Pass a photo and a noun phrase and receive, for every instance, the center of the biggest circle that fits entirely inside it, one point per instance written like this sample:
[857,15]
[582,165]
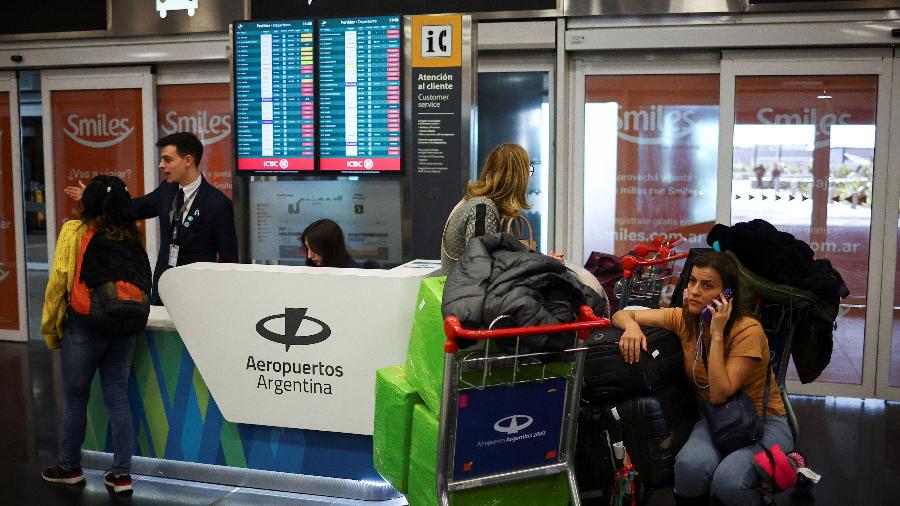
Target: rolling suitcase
[655,427]
[607,378]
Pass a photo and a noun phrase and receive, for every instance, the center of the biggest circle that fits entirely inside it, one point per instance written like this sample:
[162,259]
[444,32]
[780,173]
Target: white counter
[292,346]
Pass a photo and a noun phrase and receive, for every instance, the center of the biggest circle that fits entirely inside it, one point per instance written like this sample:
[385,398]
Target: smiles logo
[293,318]
[97,132]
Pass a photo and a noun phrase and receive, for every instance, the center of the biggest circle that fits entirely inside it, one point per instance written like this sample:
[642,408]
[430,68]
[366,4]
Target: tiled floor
[848,441]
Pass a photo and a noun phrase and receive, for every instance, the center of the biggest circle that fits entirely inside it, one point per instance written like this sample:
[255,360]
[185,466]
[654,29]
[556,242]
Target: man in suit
[196,219]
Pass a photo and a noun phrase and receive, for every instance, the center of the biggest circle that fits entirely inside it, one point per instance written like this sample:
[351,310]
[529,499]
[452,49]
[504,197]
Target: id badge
[173,255]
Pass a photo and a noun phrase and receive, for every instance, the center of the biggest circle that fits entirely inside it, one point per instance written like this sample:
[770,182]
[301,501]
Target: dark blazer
[209,237]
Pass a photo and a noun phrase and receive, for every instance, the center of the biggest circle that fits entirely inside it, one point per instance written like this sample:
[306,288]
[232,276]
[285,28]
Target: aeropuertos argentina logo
[293,319]
[513,424]
[97,132]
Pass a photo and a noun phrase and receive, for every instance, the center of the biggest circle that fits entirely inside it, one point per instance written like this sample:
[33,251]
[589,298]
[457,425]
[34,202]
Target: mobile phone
[706,315]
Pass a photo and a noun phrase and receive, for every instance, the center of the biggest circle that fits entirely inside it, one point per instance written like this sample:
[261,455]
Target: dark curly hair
[106,206]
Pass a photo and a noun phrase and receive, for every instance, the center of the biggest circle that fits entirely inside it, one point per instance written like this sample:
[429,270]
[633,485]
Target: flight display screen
[359,62]
[274,94]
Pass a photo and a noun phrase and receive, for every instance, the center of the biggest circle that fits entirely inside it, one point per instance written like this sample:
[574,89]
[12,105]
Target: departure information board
[274,69]
[359,94]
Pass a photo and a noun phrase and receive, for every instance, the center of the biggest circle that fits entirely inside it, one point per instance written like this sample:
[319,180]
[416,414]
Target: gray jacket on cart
[497,277]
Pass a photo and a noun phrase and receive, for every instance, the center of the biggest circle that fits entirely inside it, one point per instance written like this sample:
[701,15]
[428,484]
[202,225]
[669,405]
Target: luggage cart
[647,273]
[506,418]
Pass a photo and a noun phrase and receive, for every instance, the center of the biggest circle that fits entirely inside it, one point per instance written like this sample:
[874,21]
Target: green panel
[231,445]
[142,365]
[143,443]
[170,349]
[202,392]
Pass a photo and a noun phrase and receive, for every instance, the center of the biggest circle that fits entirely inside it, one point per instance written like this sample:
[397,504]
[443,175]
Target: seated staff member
[738,356]
[196,219]
[325,247]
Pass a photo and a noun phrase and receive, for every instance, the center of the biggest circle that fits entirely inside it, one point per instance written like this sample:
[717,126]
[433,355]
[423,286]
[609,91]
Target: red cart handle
[629,262]
[587,321]
[660,244]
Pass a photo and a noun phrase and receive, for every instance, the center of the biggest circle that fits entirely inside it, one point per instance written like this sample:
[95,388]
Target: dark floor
[848,441]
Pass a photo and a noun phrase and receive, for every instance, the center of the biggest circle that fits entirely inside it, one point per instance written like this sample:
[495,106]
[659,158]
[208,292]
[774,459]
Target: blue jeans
[701,470]
[82,354]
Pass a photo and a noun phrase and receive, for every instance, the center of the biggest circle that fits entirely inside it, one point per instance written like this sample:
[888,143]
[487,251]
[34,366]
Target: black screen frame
[316,172]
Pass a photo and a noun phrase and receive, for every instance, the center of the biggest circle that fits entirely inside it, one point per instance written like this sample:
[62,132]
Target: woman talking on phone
[725,353]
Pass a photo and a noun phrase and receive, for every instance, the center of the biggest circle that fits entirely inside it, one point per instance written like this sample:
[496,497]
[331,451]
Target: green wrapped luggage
[425,354]
[394,402]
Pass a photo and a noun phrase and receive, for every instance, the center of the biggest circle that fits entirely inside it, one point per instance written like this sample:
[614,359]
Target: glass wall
[804,151]
[650,155]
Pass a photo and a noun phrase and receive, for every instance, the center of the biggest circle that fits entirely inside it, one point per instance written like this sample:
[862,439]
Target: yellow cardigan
[62,275]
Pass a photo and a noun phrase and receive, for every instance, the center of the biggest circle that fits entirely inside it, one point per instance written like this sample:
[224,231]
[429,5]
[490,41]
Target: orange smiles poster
[205,110]
[9,297]
[95,132]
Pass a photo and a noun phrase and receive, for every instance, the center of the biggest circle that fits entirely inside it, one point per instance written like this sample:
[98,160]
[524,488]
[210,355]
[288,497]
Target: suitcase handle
[587,321]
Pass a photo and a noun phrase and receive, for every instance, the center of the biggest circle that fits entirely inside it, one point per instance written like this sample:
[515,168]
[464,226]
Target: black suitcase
[607,378]
[594,462]
[655,427]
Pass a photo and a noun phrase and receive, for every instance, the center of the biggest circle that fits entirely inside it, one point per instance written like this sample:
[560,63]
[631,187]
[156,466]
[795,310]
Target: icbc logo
[282,164]
[368,163]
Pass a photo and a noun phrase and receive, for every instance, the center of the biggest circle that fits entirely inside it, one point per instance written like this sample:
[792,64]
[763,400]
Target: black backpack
[112,280]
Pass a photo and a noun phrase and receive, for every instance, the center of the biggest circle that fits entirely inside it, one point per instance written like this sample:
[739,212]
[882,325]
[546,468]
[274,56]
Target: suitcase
[594,464]
[607,378]
[655,427]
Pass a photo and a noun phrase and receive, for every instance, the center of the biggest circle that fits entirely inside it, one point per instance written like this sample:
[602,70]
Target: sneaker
[118,483]
[59,474]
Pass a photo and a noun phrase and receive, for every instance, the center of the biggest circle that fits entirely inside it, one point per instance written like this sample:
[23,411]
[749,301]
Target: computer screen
[274,96]
[359,62]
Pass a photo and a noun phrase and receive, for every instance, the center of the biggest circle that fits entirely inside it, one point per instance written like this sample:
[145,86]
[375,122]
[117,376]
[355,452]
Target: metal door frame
[532,62]
[883,388]
[10,83]
[102,79]
[600,65]
[821,62]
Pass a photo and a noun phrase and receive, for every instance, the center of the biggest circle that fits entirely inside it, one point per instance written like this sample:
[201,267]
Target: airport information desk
[264,376]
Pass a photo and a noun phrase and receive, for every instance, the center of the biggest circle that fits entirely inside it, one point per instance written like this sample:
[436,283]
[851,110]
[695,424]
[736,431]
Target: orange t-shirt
[746,339]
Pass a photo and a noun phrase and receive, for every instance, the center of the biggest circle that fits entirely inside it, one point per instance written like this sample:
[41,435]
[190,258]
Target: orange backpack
[112,307]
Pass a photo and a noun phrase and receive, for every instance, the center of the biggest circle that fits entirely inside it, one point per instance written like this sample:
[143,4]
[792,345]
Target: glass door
[888,378]
[805,147]
[515,106]
[646,160]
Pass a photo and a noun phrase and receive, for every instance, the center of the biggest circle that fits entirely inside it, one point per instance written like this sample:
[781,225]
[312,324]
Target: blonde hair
[504,179]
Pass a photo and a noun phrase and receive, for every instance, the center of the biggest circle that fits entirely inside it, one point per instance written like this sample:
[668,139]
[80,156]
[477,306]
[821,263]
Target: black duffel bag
[608,378]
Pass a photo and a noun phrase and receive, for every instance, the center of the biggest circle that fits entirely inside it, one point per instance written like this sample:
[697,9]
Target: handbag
[530,242]
[735,424]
